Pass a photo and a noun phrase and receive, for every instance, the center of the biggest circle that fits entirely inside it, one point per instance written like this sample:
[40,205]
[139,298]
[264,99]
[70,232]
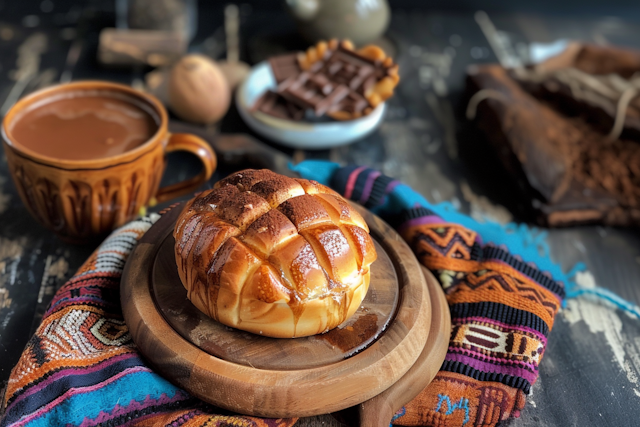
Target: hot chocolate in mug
[87,156]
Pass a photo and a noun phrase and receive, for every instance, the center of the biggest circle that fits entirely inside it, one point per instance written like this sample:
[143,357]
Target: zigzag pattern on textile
[454,241]
[494,280]
[450,242]
[501,317]
[487,343]
[472,281]
[529,270]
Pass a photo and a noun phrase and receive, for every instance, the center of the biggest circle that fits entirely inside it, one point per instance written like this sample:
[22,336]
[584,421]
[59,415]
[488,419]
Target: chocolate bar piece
[347,67]
[284,66]
[354,104]
[275,105]
[313,91]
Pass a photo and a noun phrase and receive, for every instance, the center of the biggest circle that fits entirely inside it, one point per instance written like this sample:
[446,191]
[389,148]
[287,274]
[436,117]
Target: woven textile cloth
[82,369]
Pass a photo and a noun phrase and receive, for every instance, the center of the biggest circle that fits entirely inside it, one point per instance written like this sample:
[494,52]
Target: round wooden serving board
[393,331]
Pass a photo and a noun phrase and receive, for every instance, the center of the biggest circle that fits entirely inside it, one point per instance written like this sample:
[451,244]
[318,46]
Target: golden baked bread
[273,255]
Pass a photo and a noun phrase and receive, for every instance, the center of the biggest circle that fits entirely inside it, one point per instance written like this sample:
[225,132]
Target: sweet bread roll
[273,255]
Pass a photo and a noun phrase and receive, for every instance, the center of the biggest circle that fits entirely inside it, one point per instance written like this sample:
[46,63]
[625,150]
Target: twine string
[610,92]
[481,95]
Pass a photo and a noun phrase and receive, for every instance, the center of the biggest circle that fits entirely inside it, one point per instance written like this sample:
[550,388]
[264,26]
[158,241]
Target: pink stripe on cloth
[351,182]
[79,390]
[390,186]
[368,186]
[497,360]
[492,368]
[65,371]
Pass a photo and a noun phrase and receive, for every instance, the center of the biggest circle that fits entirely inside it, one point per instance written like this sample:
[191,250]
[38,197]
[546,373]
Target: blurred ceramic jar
[361,21]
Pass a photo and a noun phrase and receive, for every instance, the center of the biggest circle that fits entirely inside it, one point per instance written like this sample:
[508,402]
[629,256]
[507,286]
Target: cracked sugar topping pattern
[299,239]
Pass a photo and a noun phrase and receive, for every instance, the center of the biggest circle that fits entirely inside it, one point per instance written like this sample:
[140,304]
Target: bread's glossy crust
[273,255]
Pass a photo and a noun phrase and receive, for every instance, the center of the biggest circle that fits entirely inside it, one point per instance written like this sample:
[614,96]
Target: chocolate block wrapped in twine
[81,367]
[570,126]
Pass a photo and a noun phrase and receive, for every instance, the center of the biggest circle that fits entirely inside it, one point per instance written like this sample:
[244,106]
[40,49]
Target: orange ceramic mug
[81,199]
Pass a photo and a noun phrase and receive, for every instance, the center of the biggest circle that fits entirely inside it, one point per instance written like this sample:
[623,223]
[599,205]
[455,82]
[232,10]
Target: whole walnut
[198,91]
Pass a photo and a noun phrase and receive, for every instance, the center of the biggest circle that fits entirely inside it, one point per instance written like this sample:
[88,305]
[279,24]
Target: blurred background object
[234,70]
[142,47]
[178,16]
[361,21]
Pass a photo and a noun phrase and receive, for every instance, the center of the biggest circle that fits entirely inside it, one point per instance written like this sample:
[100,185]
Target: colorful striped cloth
[82,369]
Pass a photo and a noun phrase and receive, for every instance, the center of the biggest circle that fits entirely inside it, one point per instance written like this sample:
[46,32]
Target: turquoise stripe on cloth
[130,389]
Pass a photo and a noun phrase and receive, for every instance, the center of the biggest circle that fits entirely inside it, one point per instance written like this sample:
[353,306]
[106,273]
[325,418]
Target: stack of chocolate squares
[330,79]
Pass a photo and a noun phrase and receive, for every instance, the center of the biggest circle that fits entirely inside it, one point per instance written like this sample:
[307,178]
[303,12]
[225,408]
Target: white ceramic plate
[303,135]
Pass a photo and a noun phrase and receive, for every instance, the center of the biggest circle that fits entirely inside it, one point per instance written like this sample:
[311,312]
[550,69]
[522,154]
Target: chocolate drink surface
[84,126]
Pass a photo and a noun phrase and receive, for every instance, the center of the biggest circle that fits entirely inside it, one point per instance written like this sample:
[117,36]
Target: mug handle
[194,145]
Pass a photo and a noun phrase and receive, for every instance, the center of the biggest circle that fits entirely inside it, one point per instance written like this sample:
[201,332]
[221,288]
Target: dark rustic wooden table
[591,370]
